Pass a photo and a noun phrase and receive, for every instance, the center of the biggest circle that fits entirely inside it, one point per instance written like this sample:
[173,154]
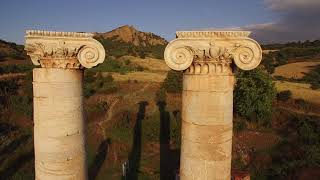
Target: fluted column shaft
[59,127]
[207,102]
[59,135]
[207,59]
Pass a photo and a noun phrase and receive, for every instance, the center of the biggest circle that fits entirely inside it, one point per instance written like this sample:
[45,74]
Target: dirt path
[108,117]
[110,110]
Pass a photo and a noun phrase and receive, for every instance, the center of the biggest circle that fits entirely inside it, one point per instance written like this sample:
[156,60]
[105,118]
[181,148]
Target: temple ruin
[59,127]
[207,60]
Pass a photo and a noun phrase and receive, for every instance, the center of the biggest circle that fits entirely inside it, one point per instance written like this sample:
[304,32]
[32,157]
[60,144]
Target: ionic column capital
[203,52]
[63,49]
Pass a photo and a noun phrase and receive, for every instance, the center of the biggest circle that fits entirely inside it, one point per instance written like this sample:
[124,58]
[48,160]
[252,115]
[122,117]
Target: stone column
[59,127]
[206,59]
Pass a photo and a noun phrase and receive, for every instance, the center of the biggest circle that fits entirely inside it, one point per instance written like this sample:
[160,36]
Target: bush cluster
[97,83]
[285,52]
[284,95]
[16,96]
[171,84]
[254,95]
[313,77]
[118,48]
[114,65]
[300,151]
[16,68]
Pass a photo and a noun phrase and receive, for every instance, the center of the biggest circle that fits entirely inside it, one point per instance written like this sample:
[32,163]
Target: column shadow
[99,159]
[16,165]
[135,154]
[169,158]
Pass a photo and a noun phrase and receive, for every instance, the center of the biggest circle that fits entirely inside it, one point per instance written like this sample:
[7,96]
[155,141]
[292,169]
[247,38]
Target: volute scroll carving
[212,52]
[64,49]
[178,57]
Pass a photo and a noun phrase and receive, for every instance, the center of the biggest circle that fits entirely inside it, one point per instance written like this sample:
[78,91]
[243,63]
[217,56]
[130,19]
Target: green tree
[267,62]
[282,58]
[254,95]
[173,82]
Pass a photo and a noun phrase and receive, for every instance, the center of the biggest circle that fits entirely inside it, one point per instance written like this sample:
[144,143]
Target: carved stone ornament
[63,49]
[203,52]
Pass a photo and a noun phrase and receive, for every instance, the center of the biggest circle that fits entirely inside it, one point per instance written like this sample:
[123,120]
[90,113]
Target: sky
[269,20]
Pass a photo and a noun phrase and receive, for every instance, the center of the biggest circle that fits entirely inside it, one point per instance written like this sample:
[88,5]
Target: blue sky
[161,17]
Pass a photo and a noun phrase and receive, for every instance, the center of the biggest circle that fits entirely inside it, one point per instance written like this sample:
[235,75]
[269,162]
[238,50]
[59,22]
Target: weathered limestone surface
[59,130]
[207,59]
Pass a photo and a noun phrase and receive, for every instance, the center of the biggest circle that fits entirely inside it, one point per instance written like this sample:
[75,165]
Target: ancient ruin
[206,59]
[59,131]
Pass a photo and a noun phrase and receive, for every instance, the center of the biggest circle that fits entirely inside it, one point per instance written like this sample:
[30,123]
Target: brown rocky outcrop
[129,34]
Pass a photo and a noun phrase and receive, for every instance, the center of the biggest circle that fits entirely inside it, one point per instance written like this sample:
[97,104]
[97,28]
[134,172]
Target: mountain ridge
[127,40]
[129,34]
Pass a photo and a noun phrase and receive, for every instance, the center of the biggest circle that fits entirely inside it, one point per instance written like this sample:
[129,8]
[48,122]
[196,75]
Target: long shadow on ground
[99,159]
[169,158]
[135,154]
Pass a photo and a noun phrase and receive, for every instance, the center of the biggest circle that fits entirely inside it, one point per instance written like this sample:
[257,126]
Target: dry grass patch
[139,76]
[299,90]
[266,51]
[295,70]
[148,63]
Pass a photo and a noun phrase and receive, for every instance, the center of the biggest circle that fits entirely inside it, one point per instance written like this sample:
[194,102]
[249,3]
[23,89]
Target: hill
[11,51]
[129,34]
[126,40]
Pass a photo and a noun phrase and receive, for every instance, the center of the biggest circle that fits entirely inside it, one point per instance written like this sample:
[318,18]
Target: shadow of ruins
[99,159]
[135,154]
[14,145]
[15,165]
[169,158]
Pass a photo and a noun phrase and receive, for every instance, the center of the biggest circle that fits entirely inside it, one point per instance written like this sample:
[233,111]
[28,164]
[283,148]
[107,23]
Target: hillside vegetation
[133,111]
[126,40]
[280,54]
[11,51]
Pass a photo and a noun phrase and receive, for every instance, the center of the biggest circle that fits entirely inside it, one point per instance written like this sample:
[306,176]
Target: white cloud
[297,20]
[288,5]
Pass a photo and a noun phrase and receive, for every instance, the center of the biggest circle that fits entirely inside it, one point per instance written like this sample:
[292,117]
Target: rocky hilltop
[129,34]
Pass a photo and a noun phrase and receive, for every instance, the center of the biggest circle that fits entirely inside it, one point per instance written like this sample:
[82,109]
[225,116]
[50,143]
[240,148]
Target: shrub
[280,78]
[302,104]
[17,95]
[239,125]
[284,95]
[254,95]
[142,54]
[282,58]
[98,84]
[161,95]
[118,48]
[9,87]
[116,65]
[127,62]
[173,82]
[313,78]
[268,63]
[16,68]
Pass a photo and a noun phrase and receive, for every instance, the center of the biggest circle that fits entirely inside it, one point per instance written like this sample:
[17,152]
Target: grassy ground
[139,76]
[129,124]
[299,91]
[295,70]
[151,64]
[133,131]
